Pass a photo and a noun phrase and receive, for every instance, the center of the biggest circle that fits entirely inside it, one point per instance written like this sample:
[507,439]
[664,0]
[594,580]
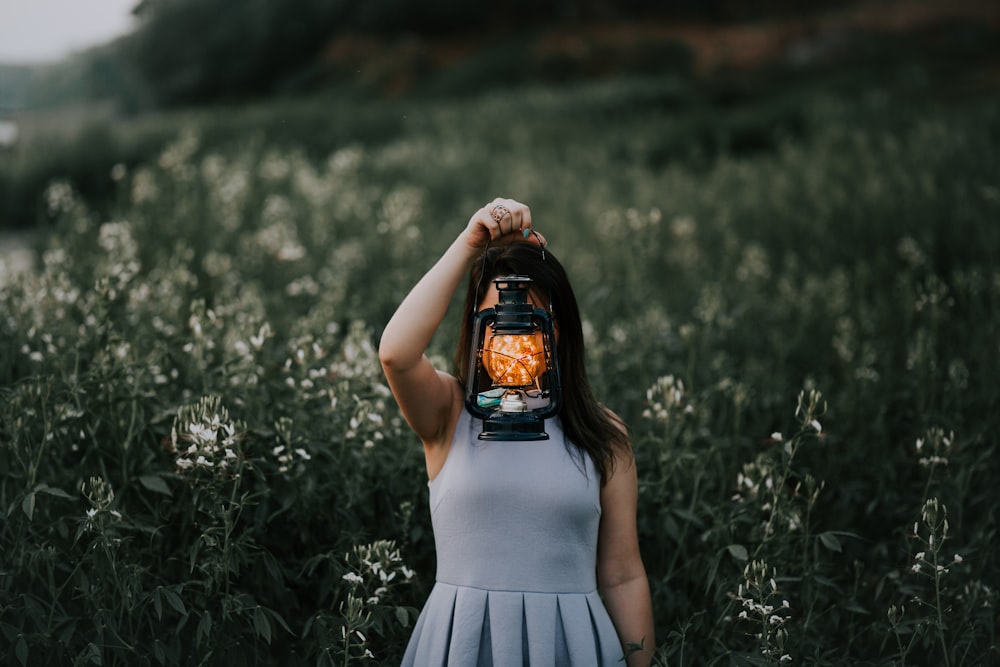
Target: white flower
[352,578]
[776,436]
[91,513]
[203,433]
[916,567]
[919,556]
[957,559]
[816,425]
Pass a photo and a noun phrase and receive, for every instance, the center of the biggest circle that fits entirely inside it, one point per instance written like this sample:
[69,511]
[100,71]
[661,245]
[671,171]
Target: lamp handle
[482,274]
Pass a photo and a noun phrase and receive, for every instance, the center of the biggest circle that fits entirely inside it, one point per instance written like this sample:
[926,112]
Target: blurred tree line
[190,51]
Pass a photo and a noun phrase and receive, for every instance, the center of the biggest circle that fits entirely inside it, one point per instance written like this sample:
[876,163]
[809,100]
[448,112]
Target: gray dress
[515,527]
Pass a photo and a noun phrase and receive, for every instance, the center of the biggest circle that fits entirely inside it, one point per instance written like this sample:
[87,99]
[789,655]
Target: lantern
[513,378]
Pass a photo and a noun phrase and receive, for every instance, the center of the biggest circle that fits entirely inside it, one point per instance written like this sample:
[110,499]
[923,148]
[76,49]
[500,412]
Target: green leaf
[854,606]
[53,491]
[739,552]
[158,604]
[175,601]
[21,650]
[307,627]
[92,654]
[261,625]
[204,628]
[158,653]
[66,633]
[156,484]
[830,541]
[28,505]
[687,515]
[403,617]
[281,621]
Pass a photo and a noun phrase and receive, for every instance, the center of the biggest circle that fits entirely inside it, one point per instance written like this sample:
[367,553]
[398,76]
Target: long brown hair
[586,423]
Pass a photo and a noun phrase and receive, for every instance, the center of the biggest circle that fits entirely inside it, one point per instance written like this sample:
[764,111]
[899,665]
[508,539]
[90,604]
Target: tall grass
[793,303]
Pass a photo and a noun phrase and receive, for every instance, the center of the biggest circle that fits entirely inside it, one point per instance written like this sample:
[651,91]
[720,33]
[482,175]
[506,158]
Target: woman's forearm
[631,610]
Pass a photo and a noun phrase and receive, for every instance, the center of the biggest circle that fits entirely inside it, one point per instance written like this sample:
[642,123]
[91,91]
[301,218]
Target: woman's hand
[500,222]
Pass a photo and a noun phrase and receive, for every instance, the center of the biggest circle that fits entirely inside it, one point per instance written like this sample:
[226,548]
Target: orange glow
[514,360]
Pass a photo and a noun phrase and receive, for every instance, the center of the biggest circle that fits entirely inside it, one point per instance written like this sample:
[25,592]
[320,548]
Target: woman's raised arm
[425,395]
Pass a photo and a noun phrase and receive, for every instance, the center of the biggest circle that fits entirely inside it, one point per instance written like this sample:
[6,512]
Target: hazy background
[69,70]
[213,214]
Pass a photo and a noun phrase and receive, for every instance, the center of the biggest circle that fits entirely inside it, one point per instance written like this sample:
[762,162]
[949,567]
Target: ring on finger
[499,212]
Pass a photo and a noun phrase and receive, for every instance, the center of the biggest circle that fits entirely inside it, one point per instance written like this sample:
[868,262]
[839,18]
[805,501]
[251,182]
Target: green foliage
[793,303]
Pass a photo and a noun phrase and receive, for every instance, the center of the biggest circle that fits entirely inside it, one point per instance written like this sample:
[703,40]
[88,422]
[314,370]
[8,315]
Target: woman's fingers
[525,223]
[508,217]
[503,221]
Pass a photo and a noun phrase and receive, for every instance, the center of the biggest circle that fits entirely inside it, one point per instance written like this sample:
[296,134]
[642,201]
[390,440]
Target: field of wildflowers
[794,303]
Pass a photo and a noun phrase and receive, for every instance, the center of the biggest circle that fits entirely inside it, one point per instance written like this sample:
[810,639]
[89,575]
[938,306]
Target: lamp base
[516,427]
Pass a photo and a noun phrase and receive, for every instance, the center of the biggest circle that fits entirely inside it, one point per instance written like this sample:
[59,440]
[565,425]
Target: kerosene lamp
[513,373]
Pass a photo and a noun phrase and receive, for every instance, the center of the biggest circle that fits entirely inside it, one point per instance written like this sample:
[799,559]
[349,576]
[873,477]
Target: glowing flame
[514,360]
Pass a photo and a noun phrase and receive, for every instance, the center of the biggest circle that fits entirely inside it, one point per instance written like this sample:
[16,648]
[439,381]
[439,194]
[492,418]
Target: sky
[36,31]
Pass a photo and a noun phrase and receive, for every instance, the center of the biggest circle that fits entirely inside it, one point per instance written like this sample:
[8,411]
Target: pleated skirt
[461,626]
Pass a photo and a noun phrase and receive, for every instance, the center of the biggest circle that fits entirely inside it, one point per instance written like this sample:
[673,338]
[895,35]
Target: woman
[537,553]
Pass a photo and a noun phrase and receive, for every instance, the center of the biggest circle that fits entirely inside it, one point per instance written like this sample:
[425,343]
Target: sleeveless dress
[515,529]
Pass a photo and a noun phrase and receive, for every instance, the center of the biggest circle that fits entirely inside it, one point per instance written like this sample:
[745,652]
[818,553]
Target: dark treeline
[193,51]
